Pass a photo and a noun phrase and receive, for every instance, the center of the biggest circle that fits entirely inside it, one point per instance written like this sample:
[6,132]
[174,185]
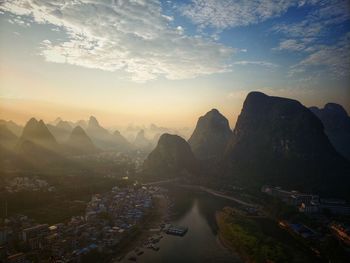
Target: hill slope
[210,136]
[279,141]
[80,143]
[336,122]
[171,156]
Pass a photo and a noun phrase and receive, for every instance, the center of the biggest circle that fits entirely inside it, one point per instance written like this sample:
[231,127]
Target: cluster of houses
[19,184]
[309,203]
[319,207]
[109,218]
[341,231]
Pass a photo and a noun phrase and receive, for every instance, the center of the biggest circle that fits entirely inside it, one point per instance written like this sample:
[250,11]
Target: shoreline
[225,243]
[153,221]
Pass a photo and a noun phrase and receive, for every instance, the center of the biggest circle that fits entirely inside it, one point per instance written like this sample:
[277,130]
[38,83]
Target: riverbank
[258,239]
[227,245]
[152,221]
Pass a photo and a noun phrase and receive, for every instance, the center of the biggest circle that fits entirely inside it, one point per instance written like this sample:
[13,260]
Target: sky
[168,62]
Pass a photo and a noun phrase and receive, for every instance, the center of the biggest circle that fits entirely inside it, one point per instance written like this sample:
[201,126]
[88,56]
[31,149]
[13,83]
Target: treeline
[68,199]
[247,238]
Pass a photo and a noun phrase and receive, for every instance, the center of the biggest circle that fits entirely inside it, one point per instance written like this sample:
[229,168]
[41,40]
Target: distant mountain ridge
[336,122]
[13,127]
[38,133]
[276,141]
[105,140]
[122,143]
[141,141]
[80,143]
[8,139]
[60,131]
[37,147]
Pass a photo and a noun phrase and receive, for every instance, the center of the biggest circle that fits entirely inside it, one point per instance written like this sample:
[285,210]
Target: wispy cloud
[131,36]
[308,35]
[232,13]
[256,63]
[318,21]
[291,44]
[335,58]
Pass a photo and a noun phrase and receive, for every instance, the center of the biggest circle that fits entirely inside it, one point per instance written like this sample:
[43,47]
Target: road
[162,181]
[216,193]
[204,189]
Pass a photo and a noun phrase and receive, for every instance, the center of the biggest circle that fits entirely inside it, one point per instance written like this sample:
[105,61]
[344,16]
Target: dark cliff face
[210,136]
[336,123]
[278,140]
[171,156]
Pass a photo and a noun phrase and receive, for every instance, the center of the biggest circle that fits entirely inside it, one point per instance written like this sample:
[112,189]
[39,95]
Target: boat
[132,258]
[176,230]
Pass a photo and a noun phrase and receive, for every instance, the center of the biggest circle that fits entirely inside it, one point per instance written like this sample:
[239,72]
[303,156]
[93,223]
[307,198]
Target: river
[195,210]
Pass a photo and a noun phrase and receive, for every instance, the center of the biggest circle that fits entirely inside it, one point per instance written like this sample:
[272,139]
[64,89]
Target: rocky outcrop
[336,123]
[279,141]
[170,158]
[210,136]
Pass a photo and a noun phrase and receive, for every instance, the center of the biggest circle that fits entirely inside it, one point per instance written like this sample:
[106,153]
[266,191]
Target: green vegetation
[69,198]
[252,242]
[276,208]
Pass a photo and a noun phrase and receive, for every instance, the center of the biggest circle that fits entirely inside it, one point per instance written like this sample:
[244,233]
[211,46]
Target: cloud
[318,21]
[232,13]
[309,34]
[19,21]
[290,44]
[335,58]
[131,36]
[257,63]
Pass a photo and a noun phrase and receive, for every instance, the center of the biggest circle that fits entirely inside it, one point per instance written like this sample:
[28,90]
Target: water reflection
[196,211]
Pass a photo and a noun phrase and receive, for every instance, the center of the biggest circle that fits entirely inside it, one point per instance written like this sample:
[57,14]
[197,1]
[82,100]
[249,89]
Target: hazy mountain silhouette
[37,148]
[65,125]
[210,136]
[55,122]
[13,127]
[81,123]
[336,123]
[156,139]
[38,133]
[60,131]
[122,144]
[99,135]
[171,156]
[279,141]
[80,143]
[8,139]
[141,141]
